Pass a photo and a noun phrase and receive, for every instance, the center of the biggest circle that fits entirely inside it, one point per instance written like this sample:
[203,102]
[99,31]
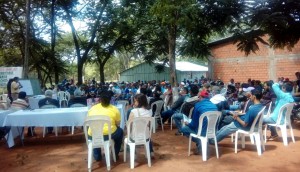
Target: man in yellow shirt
[105,108]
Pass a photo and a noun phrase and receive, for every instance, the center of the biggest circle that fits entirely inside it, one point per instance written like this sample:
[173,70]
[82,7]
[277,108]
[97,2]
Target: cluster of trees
[136,29]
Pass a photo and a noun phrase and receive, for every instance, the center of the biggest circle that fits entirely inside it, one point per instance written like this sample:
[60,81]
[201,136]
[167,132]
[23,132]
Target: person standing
[15,88]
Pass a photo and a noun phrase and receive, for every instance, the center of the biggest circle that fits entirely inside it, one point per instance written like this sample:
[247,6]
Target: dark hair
[22,95]
[105,97]
[288,86]
[185,89]
[194,90]
[257,93]
[143,90]
[142,100]
[269,83]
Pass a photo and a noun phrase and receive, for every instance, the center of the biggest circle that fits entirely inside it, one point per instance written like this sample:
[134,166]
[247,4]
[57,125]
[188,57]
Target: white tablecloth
[3,114]
[48,117]
[13,133]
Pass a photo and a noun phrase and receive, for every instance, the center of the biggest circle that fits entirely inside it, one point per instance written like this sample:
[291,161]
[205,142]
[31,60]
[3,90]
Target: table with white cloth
[13,132]
[46,118]
[52,117]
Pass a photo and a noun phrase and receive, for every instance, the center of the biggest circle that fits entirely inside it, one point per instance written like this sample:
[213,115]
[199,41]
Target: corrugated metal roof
[187,66]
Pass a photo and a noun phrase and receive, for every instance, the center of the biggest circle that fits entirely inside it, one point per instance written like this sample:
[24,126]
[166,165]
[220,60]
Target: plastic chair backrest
[212,118]
[123,102]
[223,91]
[62,95]
[284,116]
[68,95]
[77,105]
[245,107]
[48,107]
[191,112]
[257,125]
[3,98]
[269,109]
[159,104]
[96,124]
[181,107]
[138,128]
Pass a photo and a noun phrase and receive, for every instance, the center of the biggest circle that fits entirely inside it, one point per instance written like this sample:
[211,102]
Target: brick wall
[265,64]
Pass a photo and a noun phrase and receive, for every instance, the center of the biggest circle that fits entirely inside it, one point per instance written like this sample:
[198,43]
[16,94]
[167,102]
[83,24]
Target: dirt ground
[68,153]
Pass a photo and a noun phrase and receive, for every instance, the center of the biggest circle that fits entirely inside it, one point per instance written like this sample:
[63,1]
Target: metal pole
[26,66]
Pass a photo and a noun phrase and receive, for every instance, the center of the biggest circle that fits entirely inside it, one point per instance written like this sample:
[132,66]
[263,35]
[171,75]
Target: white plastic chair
[255,131]
[125,104]
[159,104]
[49,107]
[96,124]
[243,111]
[62,97]
[73,106]
[139,133]
[284,121]
[212,118]
[190,114]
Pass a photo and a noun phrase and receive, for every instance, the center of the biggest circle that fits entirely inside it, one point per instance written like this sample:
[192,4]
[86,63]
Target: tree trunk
[79,70]
[172,60]
[101,70]
[26,59]
[53,40]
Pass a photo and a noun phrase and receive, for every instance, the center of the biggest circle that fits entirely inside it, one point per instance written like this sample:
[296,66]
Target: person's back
[77,99]
[21,102]
[283,97]
[201,107]
[48,100]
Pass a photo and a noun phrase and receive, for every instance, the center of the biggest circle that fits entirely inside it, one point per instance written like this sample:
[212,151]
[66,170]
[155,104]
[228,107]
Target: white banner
[7,73]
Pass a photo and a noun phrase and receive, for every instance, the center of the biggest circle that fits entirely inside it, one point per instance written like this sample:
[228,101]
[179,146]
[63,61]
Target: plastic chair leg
[112,146]
[265,133]
[132,154]
[147,146]
[243,140]
[204,149]
[107,155]
[284,135]
[90,155]
[190,140]
[292,133]
[124,150]
[162,125]
[216,147]
[258,144]
[236,142]
[44,132]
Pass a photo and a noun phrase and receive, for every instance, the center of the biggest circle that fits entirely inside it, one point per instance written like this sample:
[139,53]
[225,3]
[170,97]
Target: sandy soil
[69,153]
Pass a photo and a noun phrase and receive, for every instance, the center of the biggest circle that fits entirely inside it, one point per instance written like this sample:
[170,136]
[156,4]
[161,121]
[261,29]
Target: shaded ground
[69,153]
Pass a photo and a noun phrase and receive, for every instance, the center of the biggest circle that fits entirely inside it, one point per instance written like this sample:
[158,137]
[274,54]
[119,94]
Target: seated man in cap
[48,100]
[204,105]
[111,111]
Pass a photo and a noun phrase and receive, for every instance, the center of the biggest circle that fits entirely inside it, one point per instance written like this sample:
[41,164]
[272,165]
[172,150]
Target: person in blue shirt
[283,96]
[241,121]
[204,105]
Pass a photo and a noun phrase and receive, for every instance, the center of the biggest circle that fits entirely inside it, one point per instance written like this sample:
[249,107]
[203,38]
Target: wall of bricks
[267,63]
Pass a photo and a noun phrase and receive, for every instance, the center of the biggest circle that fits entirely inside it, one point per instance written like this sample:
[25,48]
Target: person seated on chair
[77,98]
[204,105]
[141,109]
[105,108]
[48,100]
[241,121]
[283,96]
[156,97]
[21,102]
[176,105]
[189,103]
